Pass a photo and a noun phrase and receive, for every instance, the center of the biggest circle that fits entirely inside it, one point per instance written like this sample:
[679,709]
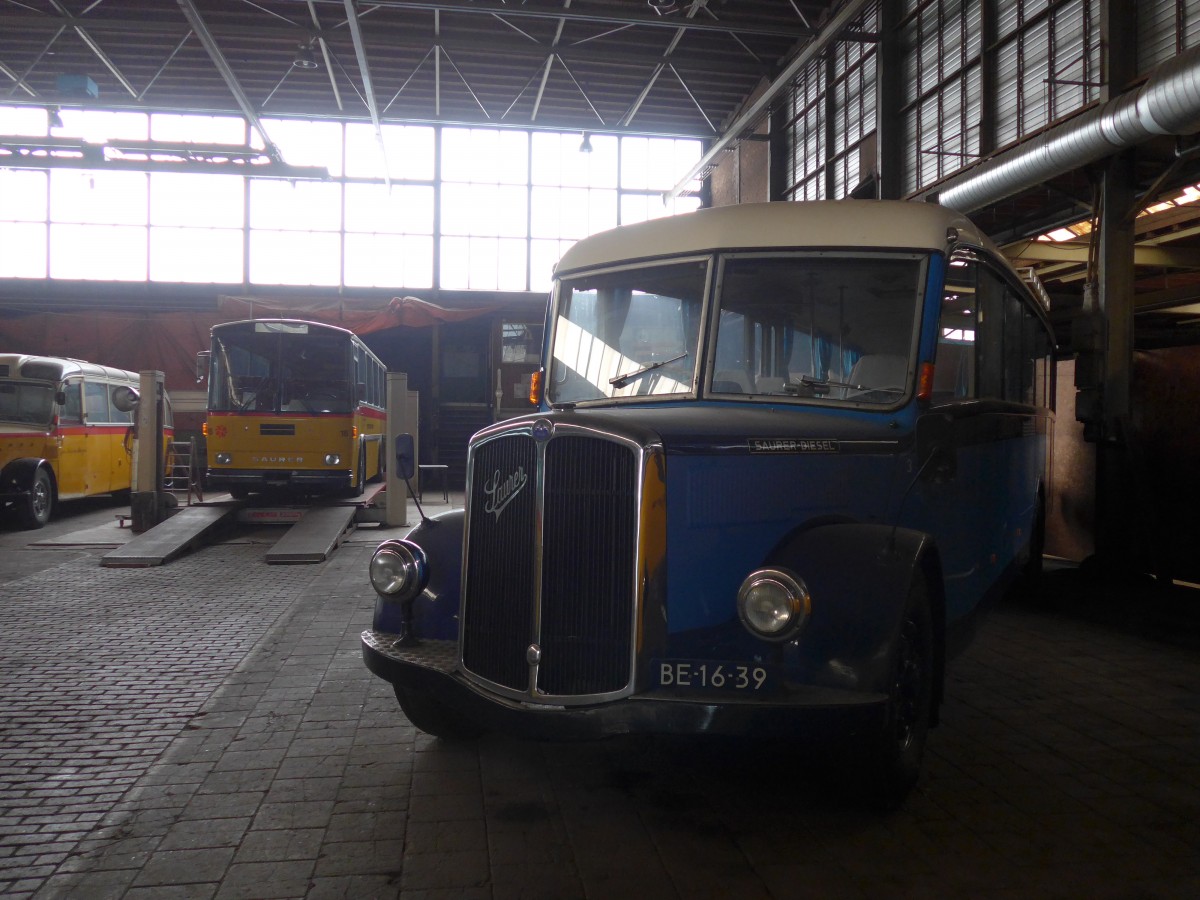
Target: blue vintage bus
[782,456]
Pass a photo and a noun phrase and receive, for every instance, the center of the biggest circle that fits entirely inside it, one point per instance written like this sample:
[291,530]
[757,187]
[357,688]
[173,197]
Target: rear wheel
[433,718]
[895,761]
[35,512]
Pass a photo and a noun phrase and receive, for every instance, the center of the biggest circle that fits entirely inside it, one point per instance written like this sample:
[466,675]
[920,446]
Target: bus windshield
[628,333]
[818,326]
[257,369]
[811,326]
[26,403]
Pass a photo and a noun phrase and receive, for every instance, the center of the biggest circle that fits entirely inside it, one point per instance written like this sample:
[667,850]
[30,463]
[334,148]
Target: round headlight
[773,604]
[224,458]
[399,570]
[332,459]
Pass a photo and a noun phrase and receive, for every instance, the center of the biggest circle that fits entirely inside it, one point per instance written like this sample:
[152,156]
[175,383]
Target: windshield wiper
[621,380]
[817,387]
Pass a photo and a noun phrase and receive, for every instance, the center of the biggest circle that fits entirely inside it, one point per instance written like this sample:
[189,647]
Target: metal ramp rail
[172,537]
[313,534]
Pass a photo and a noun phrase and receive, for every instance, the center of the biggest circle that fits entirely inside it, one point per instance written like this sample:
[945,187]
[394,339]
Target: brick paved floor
[208,730]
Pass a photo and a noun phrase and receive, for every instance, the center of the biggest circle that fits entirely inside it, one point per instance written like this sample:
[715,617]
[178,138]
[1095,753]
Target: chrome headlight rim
[399,570]
[224,458]
[773,604]
[333,459]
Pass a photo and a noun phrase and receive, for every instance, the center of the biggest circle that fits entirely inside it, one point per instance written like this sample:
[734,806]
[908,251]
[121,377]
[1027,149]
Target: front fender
[17,477]
[858,577]
[435,611]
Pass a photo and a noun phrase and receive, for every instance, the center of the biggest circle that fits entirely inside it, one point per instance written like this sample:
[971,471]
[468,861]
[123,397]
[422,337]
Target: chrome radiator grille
[588,508]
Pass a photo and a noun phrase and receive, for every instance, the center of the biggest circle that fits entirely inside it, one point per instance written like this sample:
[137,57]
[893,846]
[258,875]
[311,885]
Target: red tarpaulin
[169,341]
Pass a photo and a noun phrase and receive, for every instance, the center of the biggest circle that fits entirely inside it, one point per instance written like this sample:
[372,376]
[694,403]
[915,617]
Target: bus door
[70,469]
[102,441]
[120,443]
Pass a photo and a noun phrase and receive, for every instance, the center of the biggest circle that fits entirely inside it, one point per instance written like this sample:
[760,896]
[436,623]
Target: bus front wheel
[35,512]
[895,762]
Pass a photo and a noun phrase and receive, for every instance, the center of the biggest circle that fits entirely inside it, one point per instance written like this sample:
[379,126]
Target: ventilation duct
[1167,104]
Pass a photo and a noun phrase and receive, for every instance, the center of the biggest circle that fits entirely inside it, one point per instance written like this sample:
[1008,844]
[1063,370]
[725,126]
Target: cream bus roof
[12,363]
[820,223]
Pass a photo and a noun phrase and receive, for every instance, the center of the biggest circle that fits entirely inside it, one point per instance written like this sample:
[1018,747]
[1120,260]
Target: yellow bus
[65,432]
[293,406]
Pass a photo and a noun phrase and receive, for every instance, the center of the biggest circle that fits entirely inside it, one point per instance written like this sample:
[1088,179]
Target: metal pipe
[1167,104]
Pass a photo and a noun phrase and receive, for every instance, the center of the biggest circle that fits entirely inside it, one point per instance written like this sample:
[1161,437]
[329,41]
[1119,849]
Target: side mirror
[936,454]
[406,456]
[202,359]
[125,398]
[61,398]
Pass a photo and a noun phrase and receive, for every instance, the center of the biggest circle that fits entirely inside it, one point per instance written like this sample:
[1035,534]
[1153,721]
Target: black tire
[239,491]
[895,761]
[361,486]
[1032,572]
[35,511]
[434,719]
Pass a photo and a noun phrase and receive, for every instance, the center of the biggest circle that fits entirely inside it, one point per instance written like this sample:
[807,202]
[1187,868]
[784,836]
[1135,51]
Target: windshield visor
[627,333]
[818,327]
[26,403]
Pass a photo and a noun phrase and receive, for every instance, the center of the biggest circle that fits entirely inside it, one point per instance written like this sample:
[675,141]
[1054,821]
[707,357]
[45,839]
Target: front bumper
[300,478]
[815,714]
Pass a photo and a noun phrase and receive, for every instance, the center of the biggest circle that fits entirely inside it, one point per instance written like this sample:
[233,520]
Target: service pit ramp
[314,536]
[187,529]
[313,532]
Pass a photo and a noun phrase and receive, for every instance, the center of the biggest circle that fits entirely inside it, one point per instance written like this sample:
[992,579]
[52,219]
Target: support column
[889,143]
[1116,500]
[148,499]
[401,419]
[1115,479]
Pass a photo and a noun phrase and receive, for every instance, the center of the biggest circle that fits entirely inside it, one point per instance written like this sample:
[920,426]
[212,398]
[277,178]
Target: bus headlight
[332,459]
[773,604]
[224,458]
[399,570]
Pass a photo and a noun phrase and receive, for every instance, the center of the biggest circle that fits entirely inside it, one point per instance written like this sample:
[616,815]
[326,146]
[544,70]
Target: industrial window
[497,206]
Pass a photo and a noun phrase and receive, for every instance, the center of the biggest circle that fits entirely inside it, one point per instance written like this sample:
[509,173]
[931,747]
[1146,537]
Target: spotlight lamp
[586,145]
[304,57]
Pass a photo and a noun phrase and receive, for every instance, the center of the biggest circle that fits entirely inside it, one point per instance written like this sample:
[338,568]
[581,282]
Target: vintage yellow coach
[63,433]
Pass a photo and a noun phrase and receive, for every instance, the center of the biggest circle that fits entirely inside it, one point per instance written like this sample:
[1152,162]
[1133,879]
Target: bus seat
[730,381]
[880,370]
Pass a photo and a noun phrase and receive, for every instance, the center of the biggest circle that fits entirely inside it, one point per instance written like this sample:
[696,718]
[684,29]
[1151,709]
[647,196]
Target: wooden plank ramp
[315,536]
[170,538]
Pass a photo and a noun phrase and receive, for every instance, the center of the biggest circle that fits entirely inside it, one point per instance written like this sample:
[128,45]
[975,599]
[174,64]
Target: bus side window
[991,343]
[95,398]
[954,371]
[72,410]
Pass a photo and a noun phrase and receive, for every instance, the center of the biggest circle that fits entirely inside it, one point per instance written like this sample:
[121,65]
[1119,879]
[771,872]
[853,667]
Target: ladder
[179,473]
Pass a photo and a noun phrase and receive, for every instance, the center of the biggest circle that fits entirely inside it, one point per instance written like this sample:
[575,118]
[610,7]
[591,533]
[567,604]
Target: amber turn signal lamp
[925,381]
[535,387]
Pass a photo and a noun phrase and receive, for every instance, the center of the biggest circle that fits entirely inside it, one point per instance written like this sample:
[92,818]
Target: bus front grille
[587,582]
